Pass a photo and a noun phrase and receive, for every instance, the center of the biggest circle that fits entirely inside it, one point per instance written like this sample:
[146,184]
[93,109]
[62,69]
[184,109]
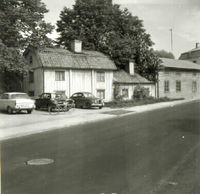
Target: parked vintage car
[86,100]
[54,102]
[16,102]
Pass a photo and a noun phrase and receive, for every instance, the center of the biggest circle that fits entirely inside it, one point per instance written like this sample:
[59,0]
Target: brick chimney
[130,68]
[197,45]
[76,46]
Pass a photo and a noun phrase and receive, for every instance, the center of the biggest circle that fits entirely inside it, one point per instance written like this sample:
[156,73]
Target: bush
[140,92]
[137,102]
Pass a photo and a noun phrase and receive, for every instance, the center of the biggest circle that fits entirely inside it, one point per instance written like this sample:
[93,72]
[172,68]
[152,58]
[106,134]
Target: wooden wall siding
[81,81]
[50,85]
[186,79]
[107,85]
[38,82]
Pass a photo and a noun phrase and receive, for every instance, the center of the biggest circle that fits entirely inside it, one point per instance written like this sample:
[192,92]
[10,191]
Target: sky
[159,16]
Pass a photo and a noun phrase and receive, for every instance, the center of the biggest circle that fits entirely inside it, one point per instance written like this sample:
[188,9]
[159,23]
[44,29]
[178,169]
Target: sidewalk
[17,125]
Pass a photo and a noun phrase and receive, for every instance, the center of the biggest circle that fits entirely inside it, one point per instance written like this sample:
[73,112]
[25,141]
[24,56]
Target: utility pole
[171,33]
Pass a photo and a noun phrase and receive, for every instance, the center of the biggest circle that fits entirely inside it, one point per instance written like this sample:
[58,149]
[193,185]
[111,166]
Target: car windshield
[89,95]
[19,96]
[59,96]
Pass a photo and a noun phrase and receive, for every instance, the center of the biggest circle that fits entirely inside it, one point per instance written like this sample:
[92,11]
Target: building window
[178,86]
[178,73]
[60,75]
[166,86]
[125,93]
[194,73]
[194,86]
[101,94]
[31,76]
[100,76]
[31,93]
[60,93]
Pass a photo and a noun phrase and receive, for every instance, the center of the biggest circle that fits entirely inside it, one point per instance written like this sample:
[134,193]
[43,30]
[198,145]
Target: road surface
[157,152]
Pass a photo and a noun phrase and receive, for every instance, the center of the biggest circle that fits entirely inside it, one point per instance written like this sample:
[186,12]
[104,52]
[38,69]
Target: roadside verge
[23,125]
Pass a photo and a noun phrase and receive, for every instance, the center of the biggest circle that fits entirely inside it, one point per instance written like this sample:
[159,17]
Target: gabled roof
[192,50]
[62,58]
[122,76]
[179,64]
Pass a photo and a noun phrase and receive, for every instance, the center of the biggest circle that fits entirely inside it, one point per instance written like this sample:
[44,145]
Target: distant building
[178,79]
[192,55]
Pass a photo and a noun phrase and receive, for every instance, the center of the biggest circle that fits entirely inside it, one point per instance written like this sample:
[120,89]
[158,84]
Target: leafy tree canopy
[21,24]
[164,54]
[104,27]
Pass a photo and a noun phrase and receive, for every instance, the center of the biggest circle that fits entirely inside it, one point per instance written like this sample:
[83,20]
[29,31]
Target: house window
[194,73]
[194,86]
[31,76]
[166,86]
[60,75]
[31,93]
[60,93]
[125,93]
[178,73]
[100,76]
[101,94]
[178,86]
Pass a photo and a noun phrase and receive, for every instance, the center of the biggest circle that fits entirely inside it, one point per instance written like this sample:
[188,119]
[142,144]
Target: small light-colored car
[86,100]
[16,102]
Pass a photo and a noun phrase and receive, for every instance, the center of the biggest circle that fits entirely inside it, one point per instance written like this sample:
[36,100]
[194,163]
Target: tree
[164,54]
[22,24]
[104,27]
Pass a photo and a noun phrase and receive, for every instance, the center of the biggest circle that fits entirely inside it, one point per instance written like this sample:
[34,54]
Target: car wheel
[87,105]
[100,107]
[37,108]
[29,111]
[9,110]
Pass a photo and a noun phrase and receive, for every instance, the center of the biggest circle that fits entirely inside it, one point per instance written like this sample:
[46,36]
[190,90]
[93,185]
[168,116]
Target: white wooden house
[77,70]
[126,81]
[64,71]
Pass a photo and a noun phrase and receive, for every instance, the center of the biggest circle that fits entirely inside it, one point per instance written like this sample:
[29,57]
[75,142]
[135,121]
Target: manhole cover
[40,161]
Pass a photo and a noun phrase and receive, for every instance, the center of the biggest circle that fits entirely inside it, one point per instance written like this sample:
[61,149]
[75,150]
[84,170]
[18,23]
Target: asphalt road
[156,152]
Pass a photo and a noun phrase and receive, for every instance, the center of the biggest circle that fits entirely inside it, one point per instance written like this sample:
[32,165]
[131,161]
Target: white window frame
[100,76]
[166,86]
[194,86]
[59,75]
[125,95]
[178,86]
[101,92]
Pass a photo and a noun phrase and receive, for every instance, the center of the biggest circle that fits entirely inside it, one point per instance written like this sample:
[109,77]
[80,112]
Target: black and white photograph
[99,96]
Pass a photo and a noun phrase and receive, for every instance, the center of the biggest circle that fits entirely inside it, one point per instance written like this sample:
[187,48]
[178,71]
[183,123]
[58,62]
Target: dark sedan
[53,101]
[86,100]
